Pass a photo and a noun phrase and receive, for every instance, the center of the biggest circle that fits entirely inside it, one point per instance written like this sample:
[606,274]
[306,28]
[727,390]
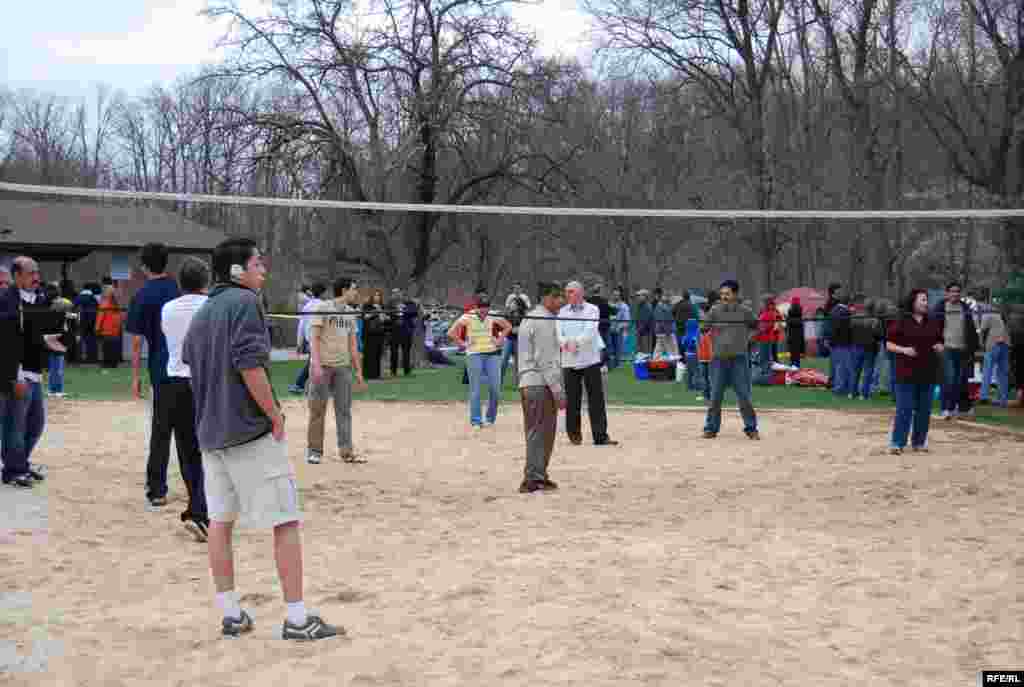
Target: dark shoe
[158,501]
[235,627]
[920,449]
[36,475]
[607,441]
[575,439]
[197,529]
[710,435]
[531,486]
[894,451]
[315,628]
[753,436]
[22,481]
[549,485]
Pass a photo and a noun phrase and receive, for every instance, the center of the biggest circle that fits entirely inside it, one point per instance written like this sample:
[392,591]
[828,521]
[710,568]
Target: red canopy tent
[810,299]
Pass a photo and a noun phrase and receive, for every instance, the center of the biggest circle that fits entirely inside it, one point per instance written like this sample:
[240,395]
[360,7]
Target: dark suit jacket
[22,328]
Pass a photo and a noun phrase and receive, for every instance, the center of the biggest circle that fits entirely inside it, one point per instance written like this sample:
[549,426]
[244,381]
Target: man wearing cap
[581,346]
[644,323]
[731,327]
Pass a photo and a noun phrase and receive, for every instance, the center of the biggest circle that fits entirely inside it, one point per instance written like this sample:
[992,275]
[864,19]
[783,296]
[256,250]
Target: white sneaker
[313,457]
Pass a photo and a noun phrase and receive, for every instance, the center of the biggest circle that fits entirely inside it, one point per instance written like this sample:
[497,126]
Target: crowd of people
[209,347]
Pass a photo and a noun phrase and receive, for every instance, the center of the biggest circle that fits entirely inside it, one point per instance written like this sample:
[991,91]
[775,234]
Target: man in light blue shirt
[581,345]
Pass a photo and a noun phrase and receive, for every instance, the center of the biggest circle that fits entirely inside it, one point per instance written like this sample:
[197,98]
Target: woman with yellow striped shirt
[483,336]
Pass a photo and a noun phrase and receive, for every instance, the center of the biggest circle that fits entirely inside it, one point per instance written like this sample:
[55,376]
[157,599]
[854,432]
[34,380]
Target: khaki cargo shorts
[255,481]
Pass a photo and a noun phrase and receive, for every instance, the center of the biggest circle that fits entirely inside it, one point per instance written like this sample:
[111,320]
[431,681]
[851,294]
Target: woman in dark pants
[916,340]
[377,329]
[795,343]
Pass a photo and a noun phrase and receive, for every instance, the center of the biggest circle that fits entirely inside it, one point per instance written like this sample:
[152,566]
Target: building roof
[72,230]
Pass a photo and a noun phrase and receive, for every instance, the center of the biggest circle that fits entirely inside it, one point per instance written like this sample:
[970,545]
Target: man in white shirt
[312,303]
[580,343]
[517,292]
[175,318]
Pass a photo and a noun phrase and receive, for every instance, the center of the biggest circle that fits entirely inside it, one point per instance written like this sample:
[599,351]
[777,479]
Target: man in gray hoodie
[241,433]
[731,326]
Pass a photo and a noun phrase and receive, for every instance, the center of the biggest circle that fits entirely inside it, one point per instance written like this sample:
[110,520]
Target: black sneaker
[197,529]
[21,481]
[37,472]
[235,627]
[315,628]
[753,436]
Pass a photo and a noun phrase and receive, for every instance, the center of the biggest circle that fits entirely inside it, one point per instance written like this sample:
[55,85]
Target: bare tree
[727,49]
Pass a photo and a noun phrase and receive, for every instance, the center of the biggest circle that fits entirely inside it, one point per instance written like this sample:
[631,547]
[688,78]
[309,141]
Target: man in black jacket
[604,327]
[32,329]
[960,342]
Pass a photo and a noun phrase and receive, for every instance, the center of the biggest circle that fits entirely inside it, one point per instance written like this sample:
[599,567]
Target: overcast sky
[68,46]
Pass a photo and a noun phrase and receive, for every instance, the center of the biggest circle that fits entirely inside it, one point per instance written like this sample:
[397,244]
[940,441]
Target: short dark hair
[234,251]
[343,284]
[550,288]
[194,275]
[908,304]
[730,284]
[954,284]
[318,289]
[833,287]
[153,257]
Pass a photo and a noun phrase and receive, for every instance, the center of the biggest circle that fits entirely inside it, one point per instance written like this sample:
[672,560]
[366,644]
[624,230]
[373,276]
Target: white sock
[228,602]
[297,613]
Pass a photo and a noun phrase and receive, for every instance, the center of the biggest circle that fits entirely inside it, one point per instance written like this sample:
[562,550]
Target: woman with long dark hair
[377,329]
[915,339]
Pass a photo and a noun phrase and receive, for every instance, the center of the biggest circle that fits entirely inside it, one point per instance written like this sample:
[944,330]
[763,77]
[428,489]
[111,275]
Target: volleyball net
[357,238]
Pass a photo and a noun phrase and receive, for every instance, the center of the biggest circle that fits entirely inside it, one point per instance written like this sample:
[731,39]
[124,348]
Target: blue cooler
[640,370]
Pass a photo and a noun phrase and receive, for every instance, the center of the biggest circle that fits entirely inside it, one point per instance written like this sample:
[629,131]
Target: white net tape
[518,209]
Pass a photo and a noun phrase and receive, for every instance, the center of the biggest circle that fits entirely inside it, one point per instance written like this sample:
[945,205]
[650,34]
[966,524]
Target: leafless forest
[714,104]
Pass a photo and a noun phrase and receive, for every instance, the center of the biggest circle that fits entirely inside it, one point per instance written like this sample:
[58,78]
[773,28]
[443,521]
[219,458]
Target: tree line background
[710,104]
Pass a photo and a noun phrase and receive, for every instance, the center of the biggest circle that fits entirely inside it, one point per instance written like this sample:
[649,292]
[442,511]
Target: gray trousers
[540,421]
[336,384]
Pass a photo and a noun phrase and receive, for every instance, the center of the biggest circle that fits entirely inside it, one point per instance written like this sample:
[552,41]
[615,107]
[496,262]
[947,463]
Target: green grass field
[445,385]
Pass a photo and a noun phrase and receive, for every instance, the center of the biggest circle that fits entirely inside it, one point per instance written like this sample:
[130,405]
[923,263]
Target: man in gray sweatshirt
[540,386]
[240,429]
[731,326]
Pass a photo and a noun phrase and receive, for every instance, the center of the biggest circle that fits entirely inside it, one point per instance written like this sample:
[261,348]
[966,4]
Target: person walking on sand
[241,433]
[540,387]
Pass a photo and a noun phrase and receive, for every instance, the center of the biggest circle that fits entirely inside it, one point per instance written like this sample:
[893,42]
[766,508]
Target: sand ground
[811,557]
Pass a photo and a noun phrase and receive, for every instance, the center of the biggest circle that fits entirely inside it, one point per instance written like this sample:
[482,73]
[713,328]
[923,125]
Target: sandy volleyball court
[808,558]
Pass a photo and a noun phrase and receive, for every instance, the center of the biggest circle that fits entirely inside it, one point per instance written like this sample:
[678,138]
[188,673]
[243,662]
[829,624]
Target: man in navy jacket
[32,329]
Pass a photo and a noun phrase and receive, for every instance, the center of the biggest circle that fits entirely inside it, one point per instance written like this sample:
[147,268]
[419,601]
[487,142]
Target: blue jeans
[693,374]
[956,369]
[56,374]
[892,372]
[842,370]
[913,409]
[863,371]
[614,349]
[479,366]
[733,373]
[997,361]
[510,349]
[300,381]
[23,426]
